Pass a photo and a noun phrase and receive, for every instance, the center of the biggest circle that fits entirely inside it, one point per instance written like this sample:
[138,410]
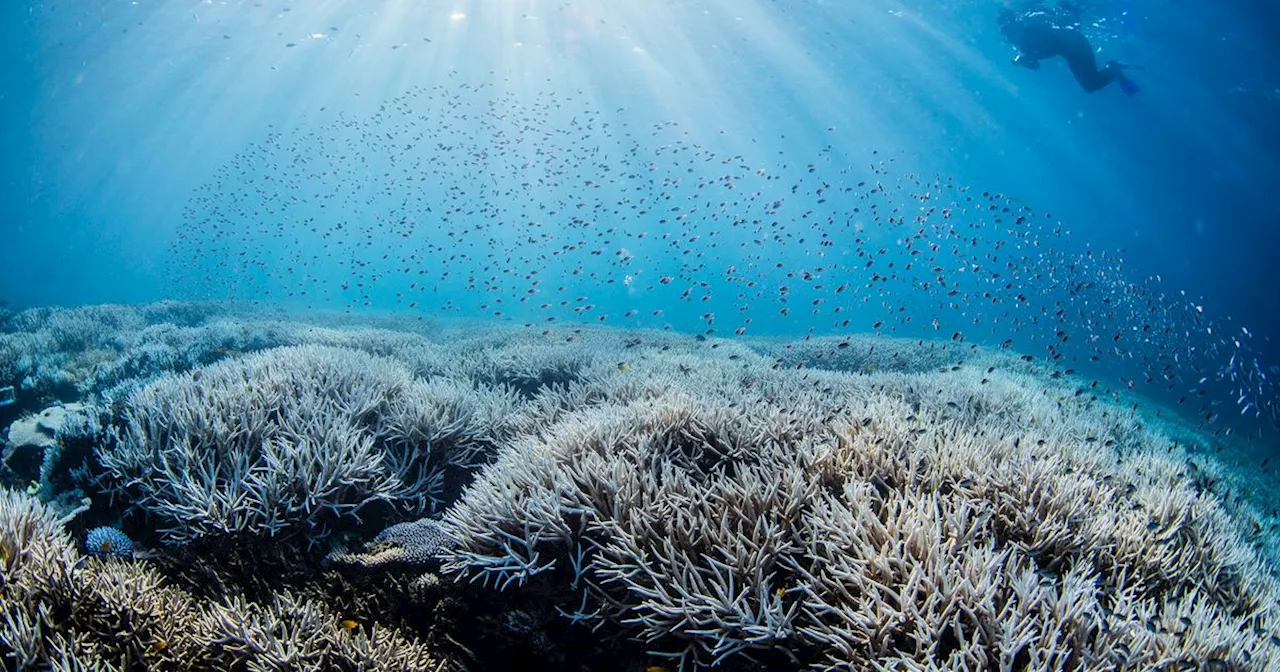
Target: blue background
[113,115]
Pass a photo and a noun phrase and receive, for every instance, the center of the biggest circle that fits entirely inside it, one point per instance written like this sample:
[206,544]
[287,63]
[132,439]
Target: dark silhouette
[1038,37]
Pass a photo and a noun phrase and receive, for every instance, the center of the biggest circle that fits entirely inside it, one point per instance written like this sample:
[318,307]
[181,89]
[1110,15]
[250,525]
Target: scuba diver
[1037,36]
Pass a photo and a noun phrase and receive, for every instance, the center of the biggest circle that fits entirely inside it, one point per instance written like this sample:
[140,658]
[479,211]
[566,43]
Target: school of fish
[461,200]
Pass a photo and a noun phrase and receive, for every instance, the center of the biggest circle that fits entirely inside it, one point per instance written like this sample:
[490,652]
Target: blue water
[534,255]
[115,116]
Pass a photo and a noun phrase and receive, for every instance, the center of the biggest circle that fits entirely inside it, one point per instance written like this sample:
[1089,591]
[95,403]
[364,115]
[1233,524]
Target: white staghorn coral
[941,520]
[881,505]
[60,610]
[93,349]
[294,441]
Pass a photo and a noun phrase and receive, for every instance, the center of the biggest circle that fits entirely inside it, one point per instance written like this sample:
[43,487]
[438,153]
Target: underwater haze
[120,117]
[436,281]
[114,115]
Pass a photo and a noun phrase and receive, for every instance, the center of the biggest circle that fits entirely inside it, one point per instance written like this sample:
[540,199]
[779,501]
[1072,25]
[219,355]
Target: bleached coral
[65,352]
[962,517]
[60,610]
[293,441]
[872,505]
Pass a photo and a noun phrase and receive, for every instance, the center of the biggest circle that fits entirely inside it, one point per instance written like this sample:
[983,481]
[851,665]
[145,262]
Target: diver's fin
[1127,85]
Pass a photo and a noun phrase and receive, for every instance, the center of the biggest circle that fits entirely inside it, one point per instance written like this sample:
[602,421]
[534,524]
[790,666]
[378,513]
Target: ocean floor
[196,486]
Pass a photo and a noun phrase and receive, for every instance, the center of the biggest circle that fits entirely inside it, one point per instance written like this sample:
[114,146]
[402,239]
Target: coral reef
[294,442]
[636,497]
[44,448]
[953,521]
[52,354]
[67,611]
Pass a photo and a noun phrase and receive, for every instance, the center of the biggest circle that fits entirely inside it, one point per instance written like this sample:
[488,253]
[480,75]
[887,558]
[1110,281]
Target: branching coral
[904,530]
[62,352]
[294,441]
[65,611]
[853,504]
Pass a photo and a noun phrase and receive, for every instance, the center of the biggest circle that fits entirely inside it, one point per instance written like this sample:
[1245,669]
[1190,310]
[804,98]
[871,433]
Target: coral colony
[316,494]
[108,542]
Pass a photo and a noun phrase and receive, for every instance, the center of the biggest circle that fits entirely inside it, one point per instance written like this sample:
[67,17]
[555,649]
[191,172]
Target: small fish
[349,625]
[622,366]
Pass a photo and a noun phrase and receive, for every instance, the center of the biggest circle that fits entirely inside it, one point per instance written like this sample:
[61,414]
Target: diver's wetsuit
[1038,38]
